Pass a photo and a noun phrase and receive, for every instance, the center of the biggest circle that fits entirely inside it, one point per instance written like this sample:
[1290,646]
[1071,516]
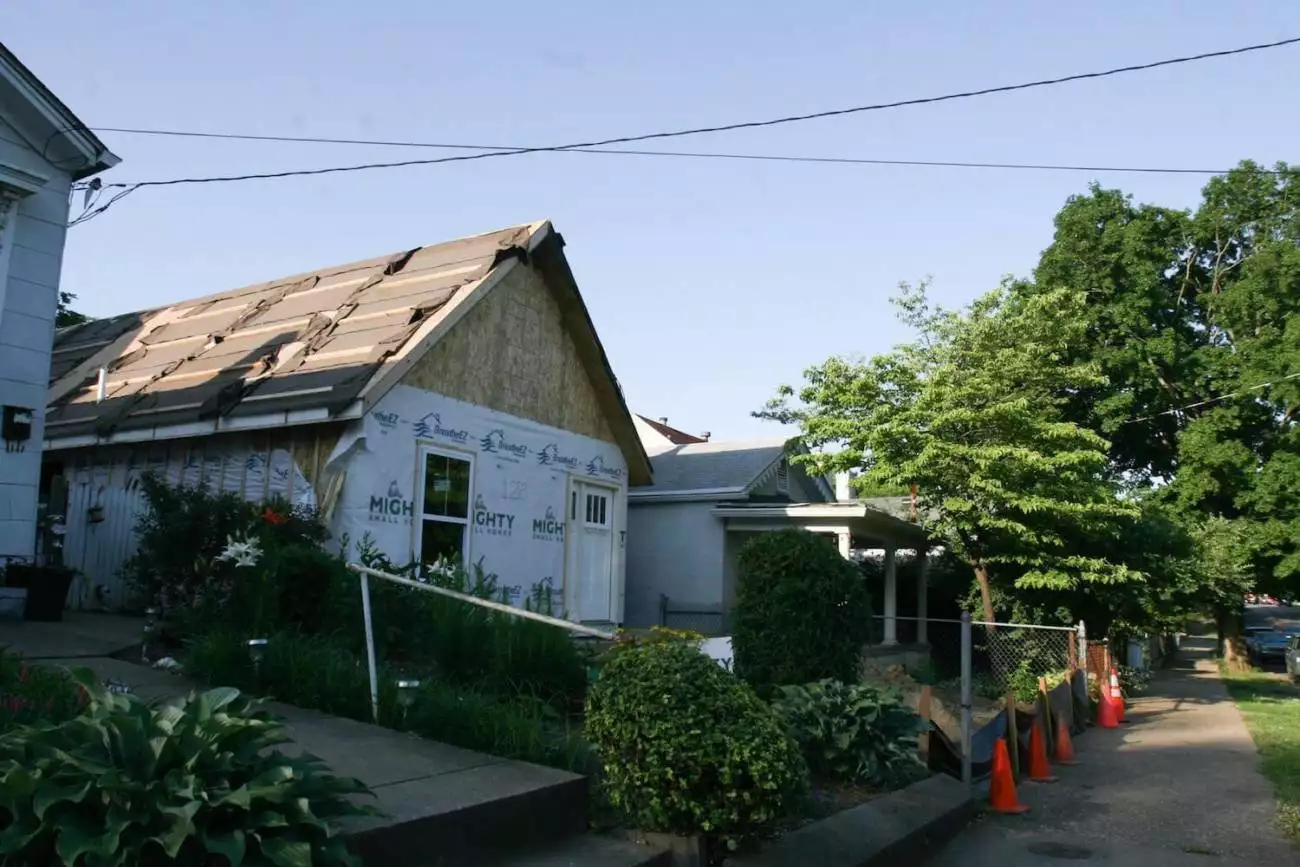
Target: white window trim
[422,451]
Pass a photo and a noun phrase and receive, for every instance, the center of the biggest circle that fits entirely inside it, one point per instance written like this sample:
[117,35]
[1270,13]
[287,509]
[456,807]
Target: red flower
[274,518]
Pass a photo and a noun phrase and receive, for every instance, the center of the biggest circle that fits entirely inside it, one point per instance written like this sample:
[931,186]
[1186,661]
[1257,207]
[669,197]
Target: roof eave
[59,117]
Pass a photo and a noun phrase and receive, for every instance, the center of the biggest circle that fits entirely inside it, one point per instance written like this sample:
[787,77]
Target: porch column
[922,592]
[845,540]
[891,598]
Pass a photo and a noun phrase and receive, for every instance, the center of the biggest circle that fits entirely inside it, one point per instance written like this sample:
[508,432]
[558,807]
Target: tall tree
[971,413]
[66,315]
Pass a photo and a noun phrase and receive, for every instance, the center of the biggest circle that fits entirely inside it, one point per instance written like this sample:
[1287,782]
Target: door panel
[592,511]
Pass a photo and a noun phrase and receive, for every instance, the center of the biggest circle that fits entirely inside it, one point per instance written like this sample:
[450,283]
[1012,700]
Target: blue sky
[710,282]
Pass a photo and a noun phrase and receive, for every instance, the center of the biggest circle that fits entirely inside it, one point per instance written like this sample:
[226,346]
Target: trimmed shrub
[192,781]
[853,733]
[802,611]
[689,749]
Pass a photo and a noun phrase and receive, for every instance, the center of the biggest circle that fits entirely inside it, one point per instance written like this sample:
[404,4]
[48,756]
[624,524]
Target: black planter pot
[47,589]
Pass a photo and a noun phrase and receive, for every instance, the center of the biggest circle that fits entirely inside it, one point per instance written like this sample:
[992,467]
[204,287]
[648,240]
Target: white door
[591,515]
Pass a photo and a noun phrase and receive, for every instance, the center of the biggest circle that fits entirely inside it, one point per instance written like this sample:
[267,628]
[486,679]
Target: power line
[1210,400]
[799,118]
[784,158]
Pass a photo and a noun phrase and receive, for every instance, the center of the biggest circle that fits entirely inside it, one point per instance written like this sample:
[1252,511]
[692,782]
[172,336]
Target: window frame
[423,451]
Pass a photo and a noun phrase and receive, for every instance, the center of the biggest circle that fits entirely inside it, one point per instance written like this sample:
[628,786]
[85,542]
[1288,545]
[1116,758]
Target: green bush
[187,782]
[853,733]
[689,749]
[802,611]
[185,527]
[323,673]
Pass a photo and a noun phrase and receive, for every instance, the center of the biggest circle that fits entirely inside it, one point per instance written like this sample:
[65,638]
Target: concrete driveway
[1177,786]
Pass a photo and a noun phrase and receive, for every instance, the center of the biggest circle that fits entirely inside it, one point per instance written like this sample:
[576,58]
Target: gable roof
[713,467]
[668,434]
[67,142]
[313,347]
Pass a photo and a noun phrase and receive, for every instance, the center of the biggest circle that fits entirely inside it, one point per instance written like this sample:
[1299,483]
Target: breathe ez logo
[551,457]
[596,467]
[495,443]
[430,427]
[387,421]
[490,522]
[548,528]
[392,509]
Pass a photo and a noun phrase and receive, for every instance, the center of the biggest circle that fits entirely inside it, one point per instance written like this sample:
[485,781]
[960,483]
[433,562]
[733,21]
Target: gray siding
[28,304]
[676,549]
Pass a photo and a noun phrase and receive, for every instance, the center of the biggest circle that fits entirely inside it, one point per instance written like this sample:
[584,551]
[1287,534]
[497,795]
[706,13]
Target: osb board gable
[512,353]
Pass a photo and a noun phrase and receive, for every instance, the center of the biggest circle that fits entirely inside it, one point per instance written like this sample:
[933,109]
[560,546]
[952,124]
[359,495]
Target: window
[444,507]
[597,512]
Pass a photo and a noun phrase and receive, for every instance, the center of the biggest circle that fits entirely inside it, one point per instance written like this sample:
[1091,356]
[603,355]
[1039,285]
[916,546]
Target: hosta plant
[191,782]
[853,733]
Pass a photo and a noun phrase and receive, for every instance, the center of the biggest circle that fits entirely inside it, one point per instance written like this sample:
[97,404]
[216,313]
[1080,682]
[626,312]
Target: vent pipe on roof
[663,420]
[843,493]
[101,387]
[705,436]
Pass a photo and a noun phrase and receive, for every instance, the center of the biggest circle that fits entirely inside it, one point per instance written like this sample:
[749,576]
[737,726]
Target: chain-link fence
[708,620]
[1008,659]
[971,671]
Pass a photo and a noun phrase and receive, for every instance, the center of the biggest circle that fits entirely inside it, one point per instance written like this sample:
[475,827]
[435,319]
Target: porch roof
[869,526]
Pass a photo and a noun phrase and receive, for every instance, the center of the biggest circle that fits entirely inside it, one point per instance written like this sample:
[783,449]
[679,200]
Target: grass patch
[1270,705]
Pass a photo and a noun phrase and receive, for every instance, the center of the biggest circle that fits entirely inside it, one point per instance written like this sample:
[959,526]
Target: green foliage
[853,733]
[32,694]
[1133,681]
[972,413]
[689,749]
[325,673]
[802,611]
[65,316]
[184,529]
[466,644]
[180,783]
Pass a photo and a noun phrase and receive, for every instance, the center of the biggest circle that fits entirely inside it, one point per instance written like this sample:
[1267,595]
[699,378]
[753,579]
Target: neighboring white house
[708,498]
[43,149]
[449,401]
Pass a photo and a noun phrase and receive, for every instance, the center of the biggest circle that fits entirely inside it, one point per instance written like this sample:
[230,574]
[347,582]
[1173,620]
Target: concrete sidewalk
[1177,783]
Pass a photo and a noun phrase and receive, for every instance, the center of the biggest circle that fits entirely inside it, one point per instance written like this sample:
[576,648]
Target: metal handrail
[367,573]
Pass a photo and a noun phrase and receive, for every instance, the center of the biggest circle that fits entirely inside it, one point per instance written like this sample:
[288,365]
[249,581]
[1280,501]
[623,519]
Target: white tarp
[519,484]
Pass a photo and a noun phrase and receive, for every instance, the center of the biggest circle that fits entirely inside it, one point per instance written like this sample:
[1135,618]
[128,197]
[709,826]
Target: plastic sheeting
[523,475]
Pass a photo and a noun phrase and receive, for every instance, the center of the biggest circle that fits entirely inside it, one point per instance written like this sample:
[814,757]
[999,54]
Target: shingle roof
[308,342]
[712,466]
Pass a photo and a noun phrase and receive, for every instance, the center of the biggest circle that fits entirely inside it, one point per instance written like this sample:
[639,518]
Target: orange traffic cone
[1118,695]
[1106,711]
[1002,787]
[1064,746]
[1040,770]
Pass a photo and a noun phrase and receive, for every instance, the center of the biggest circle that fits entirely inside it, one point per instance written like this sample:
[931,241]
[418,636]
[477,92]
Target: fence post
[370,647]
[966,776]
[1083,647]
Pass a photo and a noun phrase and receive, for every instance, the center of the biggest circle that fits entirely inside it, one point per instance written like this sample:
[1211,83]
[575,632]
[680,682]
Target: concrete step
[586,850]
[443,805]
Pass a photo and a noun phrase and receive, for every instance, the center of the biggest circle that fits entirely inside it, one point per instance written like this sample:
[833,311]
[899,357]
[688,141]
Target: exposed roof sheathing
[312,341]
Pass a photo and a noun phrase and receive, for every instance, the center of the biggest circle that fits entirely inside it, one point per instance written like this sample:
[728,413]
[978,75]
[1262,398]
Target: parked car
[1270,646]
[1252,633]
[1292,658]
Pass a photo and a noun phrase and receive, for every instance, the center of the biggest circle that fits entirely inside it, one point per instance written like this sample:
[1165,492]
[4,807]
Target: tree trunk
[986,594]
